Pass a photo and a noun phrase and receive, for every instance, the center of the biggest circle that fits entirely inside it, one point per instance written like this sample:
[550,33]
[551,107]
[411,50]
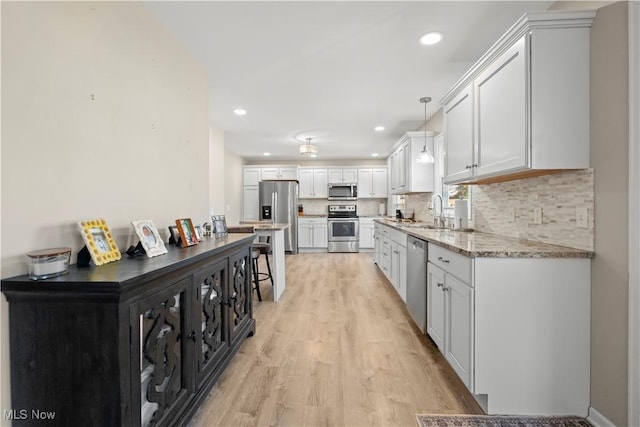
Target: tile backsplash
[365,207]
[493,206]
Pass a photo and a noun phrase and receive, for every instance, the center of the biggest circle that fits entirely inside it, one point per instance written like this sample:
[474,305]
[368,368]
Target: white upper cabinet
[372,183]
[313,183]
[340,175]
[279,173]
[407,175]
[250,176]
[523,108]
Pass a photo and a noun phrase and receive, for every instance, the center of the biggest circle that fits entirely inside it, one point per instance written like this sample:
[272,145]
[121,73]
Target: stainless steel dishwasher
[417,281]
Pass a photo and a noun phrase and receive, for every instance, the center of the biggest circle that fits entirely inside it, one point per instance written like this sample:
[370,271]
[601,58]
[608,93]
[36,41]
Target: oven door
[343,230]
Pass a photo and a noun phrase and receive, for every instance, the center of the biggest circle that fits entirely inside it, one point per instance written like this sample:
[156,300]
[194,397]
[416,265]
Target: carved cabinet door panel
[211,326]
[160,355]
[240,308]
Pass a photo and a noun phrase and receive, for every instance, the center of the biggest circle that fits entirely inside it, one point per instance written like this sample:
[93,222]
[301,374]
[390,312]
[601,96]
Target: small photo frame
[199,233]
[99,241]
[187,232]
[149,237]
[219,224]
[174,235]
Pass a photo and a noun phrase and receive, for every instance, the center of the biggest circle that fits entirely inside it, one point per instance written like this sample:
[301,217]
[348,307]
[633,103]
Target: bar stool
[264,248]
[255,255]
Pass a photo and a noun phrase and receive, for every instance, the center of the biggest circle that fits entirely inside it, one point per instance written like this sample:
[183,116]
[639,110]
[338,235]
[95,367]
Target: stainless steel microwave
[344,191]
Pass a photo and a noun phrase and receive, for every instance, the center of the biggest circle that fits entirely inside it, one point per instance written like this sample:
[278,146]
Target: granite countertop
[484,245]
[266,225]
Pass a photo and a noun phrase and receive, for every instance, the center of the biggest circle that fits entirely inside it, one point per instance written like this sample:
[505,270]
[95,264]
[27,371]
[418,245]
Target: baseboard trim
[597,419]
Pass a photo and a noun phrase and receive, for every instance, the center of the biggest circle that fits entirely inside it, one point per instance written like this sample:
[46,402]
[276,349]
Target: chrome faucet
[438,221]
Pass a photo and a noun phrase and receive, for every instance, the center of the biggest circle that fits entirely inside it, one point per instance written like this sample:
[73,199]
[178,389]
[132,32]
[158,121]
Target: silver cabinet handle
[446,261]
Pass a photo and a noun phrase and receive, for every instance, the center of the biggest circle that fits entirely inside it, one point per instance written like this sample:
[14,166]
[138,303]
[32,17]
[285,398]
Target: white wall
[103,115]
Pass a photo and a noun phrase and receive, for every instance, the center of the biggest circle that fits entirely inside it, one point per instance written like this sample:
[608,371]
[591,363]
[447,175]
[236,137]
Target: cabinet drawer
[398,236]
[455,264]
[306,221]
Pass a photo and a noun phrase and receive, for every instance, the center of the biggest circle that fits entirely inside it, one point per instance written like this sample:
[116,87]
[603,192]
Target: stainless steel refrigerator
[278,202]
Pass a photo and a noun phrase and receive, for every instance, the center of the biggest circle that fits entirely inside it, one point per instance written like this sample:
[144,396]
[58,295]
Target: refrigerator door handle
[274,198]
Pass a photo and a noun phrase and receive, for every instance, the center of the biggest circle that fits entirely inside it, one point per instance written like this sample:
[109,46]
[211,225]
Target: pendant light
[425,155]
[308,149]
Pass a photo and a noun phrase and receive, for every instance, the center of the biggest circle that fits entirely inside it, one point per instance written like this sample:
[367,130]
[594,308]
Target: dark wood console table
[137,342]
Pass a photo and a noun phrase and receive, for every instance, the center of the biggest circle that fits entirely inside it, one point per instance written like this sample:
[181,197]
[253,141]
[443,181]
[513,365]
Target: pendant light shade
[425,155]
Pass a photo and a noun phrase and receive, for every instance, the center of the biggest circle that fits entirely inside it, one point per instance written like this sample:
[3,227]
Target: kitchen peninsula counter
[485,245]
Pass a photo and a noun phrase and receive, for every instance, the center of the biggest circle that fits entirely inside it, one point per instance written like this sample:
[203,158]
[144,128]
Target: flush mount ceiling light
[374,154]
[308,149]
[425,155]
[431,38]
[378,128]
[239,112]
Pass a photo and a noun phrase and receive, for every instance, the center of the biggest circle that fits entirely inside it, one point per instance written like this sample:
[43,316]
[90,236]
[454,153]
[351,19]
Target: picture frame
[219,225]
[149,237]
[99,241]
[174,235]
[199,233]
[187,232]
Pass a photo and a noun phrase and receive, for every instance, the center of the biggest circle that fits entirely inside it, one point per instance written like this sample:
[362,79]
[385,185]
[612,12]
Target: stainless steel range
[343,229]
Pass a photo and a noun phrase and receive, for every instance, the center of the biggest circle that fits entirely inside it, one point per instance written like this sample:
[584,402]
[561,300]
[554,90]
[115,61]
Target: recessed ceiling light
[266,154]
[374,154]
[378,128]
[430,38]
[239,112]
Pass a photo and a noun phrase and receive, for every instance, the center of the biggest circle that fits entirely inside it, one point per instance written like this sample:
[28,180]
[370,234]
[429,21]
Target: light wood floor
[338,349]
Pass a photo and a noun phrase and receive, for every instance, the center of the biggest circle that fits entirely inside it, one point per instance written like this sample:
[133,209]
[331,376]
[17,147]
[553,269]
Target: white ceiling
[331,70]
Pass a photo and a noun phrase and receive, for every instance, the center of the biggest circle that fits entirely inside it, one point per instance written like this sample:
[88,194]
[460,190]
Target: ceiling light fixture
[378,128]
[239,112]
[374,154]
[308,149]
[425,155]
[431,38]
[266,154]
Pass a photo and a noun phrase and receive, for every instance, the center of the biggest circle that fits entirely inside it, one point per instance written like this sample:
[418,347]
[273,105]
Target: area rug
[437,420]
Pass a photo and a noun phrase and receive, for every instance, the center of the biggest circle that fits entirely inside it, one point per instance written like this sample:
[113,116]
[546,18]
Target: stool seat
[255,253]
[264,248]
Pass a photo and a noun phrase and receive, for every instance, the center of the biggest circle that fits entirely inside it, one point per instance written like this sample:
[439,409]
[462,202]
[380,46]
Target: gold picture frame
[99,241]
[187,232]
[149,237]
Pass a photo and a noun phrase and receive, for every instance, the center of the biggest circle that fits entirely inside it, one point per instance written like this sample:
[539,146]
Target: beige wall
[609,156]
[216,172]
[104,114]
[233,187]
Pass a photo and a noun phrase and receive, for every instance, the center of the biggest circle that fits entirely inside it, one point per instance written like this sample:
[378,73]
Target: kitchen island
[275,233]
[511,317]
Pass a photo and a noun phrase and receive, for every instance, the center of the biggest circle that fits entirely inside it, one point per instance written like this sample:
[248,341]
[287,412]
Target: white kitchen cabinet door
[364,183]
[334,176]
[459,328]
[436,305]
[349,175]
[379,183]
[320,183]
[366,235]
[402,272]
[270,173]
[305,235]
[458,135]
[305,185]
[250,176]
[250,204]
[289,173]
[320,239]
[500,95]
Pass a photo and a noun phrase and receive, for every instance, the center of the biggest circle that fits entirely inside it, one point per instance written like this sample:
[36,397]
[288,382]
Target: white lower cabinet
[366,232]
[312,233]
[515,330]
[450,316]
[391,256]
